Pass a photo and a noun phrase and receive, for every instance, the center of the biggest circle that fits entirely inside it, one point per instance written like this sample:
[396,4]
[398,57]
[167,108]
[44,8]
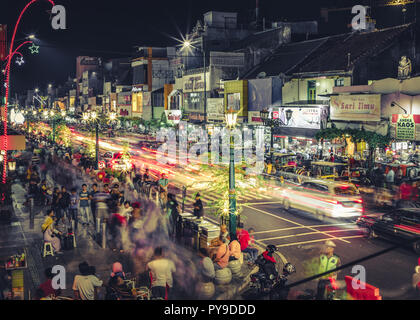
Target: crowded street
[249,159]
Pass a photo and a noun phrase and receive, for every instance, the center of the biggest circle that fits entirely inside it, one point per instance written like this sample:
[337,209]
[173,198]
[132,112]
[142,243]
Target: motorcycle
[267,281]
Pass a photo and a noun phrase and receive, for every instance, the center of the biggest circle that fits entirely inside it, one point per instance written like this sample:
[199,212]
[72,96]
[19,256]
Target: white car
[324,199]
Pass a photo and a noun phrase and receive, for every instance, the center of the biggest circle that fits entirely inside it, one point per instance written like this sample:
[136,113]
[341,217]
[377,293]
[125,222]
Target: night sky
[111,28]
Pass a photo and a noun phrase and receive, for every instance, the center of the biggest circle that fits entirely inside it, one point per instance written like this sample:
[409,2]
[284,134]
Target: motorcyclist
[267,263]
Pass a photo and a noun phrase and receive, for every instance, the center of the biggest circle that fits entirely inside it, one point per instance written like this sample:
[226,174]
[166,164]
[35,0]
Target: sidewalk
[30,237]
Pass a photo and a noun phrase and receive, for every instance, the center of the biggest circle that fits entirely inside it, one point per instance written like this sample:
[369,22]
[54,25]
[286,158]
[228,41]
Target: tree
[219,177]
[63,135]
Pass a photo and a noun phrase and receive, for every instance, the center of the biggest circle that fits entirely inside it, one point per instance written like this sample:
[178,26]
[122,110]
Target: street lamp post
[231,118]
[92,116]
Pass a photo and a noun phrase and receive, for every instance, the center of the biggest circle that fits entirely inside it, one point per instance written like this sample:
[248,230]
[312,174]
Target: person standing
[92,194]
[173,214]
[390,178]
[161,270]
[73,209]
[84,204]
[198,207]
[328,260]
[64,201]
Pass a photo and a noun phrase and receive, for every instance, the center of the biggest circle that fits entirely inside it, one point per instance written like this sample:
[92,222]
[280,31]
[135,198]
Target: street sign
[101,164]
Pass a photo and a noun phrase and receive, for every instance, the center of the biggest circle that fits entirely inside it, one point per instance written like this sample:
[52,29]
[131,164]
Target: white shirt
[86,286]
[162,270]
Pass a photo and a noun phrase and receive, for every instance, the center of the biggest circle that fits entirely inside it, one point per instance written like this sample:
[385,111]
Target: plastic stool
[48,249]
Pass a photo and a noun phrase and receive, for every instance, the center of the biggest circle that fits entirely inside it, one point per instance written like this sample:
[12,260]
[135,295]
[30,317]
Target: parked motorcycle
[267,281]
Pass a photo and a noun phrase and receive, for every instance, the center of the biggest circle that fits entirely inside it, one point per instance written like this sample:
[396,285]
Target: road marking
[262,203]
[313,226]
[319,240]
[304,234]
[293,222]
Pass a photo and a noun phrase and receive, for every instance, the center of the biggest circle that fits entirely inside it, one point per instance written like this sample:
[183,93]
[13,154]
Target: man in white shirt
[84,285]
[161,270]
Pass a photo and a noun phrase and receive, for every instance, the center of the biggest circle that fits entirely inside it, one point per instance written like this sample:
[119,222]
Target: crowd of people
[83,199]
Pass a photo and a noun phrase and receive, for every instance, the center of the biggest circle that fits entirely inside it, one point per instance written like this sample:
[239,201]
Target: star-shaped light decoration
[34,48]
[20,61]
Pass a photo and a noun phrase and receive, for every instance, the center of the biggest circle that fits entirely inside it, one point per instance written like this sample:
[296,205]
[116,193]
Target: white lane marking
[305,234]
[295,223]
[313,226]
[318,240]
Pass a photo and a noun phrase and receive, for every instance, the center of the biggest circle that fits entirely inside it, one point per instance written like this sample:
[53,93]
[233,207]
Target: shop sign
[196,117]
[173,116]
[194,82]
[215,109]
[362,107]
[406,127]
[254,118]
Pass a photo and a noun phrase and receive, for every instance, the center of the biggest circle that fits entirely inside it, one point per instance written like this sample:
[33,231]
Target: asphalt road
[299,238]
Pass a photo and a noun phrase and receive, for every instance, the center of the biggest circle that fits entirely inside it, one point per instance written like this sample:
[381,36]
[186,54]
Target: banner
[259,94]
[363,107]
[254,118]
[215,109]
[3,44]
[407,126]
[173,116]
[299,117]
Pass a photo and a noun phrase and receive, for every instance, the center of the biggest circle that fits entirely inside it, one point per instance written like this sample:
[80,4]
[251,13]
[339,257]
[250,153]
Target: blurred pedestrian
[73,214]
[161,270]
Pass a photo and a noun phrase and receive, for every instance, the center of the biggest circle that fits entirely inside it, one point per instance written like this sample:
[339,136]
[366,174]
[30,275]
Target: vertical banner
[406,127]
[3,41]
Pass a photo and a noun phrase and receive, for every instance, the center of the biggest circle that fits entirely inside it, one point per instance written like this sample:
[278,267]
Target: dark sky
[111,28]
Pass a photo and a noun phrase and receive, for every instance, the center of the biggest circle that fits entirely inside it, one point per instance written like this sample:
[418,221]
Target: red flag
[3,43]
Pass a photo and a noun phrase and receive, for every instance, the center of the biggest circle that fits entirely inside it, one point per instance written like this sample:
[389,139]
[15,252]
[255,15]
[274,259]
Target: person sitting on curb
[221,258]
[245,239]
[235,250]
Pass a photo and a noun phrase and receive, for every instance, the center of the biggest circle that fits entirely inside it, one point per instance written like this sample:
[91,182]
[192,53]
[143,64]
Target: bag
[68,243]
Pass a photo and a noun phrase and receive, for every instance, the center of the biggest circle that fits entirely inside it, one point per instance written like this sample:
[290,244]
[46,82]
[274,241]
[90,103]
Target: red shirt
[47,288]
[243,238]
[406,191]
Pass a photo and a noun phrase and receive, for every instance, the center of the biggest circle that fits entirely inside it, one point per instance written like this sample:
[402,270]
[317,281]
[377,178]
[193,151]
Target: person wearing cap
[328,260]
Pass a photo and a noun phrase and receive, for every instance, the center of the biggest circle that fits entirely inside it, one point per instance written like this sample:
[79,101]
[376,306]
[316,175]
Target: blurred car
[324,198]
[401,226]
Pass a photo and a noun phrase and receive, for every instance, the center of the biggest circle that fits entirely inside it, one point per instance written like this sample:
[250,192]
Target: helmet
[271,248]
[289,268]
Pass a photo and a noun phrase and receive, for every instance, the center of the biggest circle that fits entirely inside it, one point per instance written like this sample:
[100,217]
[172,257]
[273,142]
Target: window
[312,90]
[339,82]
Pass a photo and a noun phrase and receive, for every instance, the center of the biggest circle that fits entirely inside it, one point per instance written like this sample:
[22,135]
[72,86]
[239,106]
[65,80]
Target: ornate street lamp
[93,117]
[231,120]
